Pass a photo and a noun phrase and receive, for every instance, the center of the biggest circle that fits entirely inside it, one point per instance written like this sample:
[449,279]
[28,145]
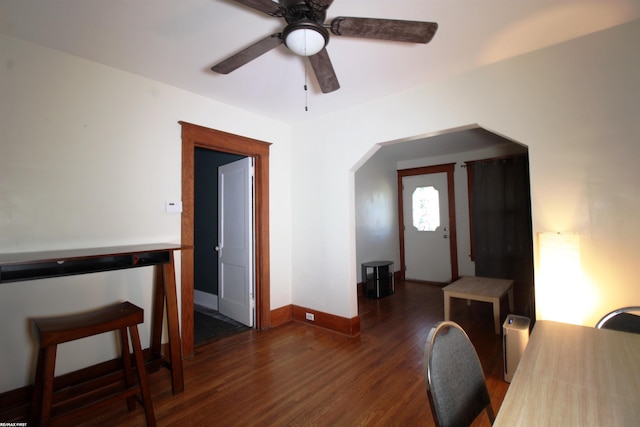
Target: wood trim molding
[291,313]
[281,315]
[447,168]
[342,325]
[198,136]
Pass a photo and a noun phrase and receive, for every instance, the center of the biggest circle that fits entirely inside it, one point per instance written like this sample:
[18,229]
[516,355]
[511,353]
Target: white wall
[323,222]
[574,105]
[376,207]
[88,157]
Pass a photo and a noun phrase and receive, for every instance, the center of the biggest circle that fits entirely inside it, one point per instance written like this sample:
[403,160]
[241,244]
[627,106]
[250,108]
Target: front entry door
[427,233]
[235,249]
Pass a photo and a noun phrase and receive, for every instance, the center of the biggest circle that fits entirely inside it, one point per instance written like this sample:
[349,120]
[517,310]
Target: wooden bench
[52,331]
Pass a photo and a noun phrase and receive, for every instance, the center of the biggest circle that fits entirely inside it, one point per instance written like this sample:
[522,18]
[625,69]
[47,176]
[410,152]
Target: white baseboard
[205,299]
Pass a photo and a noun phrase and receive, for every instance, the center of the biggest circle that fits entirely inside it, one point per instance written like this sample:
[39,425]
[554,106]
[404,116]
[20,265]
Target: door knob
[445,236]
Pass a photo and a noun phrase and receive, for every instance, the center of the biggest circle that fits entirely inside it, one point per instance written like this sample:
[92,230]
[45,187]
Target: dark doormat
[210,325]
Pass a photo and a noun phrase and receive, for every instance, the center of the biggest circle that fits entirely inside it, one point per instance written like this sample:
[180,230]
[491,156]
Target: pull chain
[306,91]
[306,67]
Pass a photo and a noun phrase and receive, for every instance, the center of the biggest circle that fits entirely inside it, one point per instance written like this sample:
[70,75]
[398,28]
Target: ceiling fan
[306,34]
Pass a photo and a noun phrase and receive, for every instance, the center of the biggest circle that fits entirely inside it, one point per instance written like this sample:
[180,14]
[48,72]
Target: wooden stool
[52,331]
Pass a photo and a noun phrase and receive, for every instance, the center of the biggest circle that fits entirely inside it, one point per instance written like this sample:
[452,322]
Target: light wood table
[483,289]
[575,376]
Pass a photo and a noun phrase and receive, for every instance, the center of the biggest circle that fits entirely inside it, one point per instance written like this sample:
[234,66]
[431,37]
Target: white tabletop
[575,375]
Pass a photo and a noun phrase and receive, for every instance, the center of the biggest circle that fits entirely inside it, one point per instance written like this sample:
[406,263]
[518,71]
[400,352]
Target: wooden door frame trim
[198,136]
[449,169]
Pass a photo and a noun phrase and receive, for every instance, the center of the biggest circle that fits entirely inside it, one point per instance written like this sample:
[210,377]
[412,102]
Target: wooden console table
[16,267]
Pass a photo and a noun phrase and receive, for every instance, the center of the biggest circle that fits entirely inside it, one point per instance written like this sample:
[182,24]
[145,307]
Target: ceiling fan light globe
[305,41]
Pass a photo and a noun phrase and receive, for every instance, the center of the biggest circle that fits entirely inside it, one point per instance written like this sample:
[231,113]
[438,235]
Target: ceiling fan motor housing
[305,35]
[302,35]
[297,10]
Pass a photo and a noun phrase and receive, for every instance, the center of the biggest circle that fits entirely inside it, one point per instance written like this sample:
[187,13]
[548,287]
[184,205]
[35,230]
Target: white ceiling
[177,41]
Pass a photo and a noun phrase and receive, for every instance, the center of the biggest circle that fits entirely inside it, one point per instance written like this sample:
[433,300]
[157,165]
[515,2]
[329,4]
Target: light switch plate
[173,206]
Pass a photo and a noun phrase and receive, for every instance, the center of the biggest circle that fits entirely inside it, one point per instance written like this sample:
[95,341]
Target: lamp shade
[560,278]
[305,40]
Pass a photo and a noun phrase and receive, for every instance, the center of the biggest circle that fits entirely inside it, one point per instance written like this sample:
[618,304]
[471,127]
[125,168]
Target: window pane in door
[426,208]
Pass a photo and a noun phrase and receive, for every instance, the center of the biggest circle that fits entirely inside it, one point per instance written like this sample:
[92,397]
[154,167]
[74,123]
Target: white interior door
[235,248]
[426,227]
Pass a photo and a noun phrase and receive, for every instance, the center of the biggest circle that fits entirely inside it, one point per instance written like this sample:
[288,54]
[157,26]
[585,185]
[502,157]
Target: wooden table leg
[157,314]
[496,314]
[165,296]
[175,344]
[447,306]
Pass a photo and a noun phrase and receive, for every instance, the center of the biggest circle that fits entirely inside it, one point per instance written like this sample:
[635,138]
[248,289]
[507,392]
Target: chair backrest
[455,381]
[621,319]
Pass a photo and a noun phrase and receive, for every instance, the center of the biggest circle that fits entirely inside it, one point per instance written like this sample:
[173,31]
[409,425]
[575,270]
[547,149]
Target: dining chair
[454,378]
[621,319]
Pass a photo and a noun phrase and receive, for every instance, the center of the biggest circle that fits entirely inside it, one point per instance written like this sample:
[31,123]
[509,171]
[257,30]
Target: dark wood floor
[300,375]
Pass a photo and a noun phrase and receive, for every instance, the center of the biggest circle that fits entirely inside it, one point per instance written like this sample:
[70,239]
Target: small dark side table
[378,279]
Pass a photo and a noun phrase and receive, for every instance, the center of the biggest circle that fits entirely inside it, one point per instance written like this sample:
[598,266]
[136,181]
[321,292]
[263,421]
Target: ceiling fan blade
[267,6]
[324,72]
[385,29]
[248,54]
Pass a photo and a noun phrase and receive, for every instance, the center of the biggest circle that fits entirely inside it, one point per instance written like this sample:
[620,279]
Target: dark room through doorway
[209,323]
